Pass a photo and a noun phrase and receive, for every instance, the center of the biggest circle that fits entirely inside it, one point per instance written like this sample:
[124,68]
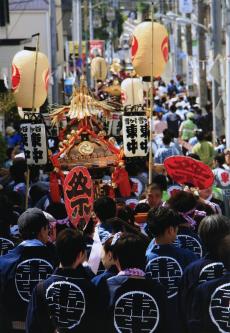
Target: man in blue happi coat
[165,261]
[212,231]
[210,306]
[67,301]
[132,303]
[22,268]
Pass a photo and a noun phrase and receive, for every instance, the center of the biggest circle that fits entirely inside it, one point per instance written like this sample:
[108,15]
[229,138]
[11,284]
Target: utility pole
[188,36]
[53,32]
[179,41]
[218,119]
[188,33]
[91,34]
[86,25]
[202,54]
[77,24]
[227,121]
[179,50]
[161,7]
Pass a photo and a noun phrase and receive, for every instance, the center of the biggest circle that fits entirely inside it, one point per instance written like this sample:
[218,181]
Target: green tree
[117,25]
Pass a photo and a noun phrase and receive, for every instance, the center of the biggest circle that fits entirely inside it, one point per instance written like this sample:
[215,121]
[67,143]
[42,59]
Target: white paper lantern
[98,68]
[23,67]
[132,92]
[149,59]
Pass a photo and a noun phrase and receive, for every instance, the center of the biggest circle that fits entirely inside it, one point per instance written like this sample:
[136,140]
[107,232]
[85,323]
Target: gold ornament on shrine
[83,104]
[149,49]
[115,68]
[114,89]
[86,148]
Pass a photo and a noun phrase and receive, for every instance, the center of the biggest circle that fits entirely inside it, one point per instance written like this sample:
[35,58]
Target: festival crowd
[157,260]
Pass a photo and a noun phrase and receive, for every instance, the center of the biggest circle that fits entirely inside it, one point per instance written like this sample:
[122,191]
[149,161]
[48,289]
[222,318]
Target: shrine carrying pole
[151,102]
[35,68]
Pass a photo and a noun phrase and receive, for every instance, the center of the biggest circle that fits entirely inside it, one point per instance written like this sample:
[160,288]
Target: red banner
[78,194]
[186,170]
[96,48]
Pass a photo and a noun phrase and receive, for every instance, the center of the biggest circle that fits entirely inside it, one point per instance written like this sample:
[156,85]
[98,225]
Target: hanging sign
[185,6]
[135,135]
[35,144]
[186,170]
[96,48]
[78,195]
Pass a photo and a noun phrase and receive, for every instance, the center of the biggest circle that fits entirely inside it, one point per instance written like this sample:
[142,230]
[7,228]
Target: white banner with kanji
[135,135]
[35,145]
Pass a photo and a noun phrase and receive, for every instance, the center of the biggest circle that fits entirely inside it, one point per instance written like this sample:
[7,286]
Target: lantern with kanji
[132,92]
[149,49]
[98,68]
[23,79]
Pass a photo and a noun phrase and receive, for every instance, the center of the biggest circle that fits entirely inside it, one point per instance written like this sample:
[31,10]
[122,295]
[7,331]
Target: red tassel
[54,188]
[120,177]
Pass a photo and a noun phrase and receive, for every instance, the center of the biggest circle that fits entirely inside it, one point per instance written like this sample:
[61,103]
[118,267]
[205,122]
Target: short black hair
[194,156]
[168,132]
[31,222]
[105,208]
[18,169]
[108,247]
[37,191]
[118,225]
[130,250]
[70,243]
[220,159]
[212,230]
[126,214]
[160,219]
[57,210]
[167,139]
[224,251]
[182,201]
[161,181]
[154,187]
[142,207]
[200,136]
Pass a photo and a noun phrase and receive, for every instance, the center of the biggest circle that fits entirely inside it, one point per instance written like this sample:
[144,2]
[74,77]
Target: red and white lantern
[149,59]
[23,67]
[132,92]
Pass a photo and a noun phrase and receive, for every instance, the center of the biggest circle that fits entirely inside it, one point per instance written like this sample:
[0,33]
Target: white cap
[179,104]
[174,99]
[20,155]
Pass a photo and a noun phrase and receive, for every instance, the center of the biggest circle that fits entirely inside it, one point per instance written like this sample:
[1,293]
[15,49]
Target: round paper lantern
[98,68]
[144,53]
[132,92]
[23,66]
